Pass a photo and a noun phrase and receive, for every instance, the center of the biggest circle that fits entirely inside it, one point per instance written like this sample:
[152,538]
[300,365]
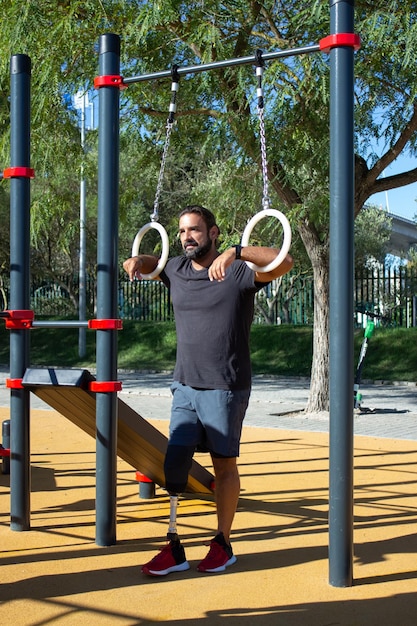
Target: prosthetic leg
[172,557]
[172,534]
[177,465]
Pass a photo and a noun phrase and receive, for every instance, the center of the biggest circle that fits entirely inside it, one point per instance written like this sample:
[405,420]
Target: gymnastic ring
[285,244]
[165,247]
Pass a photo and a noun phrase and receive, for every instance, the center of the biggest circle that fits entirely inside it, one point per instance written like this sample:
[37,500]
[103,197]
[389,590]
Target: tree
[372,234]
[217,127]
[297,97]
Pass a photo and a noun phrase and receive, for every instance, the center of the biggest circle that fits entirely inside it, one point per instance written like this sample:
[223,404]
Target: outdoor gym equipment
[71,393]
[340,45]
[267,211]
[155,215]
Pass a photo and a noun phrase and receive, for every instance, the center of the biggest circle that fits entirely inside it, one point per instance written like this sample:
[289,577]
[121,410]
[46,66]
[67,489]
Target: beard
[197,252]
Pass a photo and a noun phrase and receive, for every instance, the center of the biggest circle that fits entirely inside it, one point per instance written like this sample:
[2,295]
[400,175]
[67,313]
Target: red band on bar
[20,314]
[340,39]
[105,386]
[4,451]
[109,81]
[141,478]
[18,324]
[19,319]
[110,324]
[14,383]
[19,172]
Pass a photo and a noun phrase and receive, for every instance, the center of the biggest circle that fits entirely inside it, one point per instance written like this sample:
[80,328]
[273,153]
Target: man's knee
[225,467]
[177,465]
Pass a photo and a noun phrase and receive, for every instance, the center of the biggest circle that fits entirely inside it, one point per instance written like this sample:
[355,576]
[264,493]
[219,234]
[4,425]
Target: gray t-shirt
[213,322]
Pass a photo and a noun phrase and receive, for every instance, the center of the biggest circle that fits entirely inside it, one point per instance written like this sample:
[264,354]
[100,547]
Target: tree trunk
[318,253]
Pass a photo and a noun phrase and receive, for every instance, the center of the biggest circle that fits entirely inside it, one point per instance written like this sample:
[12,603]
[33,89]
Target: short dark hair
[207,215]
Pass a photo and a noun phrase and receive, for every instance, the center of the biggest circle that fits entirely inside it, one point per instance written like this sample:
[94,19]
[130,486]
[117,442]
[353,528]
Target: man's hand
[138,265]
[256,254]
[133,267]
[217,270]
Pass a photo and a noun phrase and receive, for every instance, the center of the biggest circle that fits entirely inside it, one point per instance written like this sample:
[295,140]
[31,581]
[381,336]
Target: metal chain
[169,127]
[265,193]
[155,214]
[264,162]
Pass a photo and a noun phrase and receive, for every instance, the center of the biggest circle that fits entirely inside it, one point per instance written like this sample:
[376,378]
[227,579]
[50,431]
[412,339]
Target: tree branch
[395,181]
[409,129]
[367,182]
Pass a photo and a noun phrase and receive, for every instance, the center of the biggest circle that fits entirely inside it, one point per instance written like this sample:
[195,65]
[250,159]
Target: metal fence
[146,300]
[388,296]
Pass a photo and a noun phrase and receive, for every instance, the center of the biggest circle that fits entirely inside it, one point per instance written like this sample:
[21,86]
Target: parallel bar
[20,76]
[194,69]
[341,298]
[107,277]
[60,324]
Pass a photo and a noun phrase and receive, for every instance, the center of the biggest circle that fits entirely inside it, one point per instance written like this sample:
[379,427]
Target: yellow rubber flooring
[55,574]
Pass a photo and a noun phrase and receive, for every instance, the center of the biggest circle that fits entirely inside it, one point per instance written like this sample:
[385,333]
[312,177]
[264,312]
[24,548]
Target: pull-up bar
[205,67]
[325,45]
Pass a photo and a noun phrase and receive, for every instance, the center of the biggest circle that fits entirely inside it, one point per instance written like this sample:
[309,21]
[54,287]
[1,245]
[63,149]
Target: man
[213,299]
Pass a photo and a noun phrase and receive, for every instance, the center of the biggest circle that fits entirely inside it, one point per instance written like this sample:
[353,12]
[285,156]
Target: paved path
[279,403]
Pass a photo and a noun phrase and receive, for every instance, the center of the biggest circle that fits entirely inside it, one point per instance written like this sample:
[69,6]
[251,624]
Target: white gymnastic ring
[285,244]
[165,247]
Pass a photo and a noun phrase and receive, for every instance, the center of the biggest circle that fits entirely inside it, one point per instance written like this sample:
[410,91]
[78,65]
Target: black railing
[387,296]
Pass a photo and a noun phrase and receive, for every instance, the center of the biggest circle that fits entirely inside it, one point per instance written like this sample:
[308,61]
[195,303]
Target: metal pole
[82,307]
[341,299]
[107,279]
[20,74]
[60,324]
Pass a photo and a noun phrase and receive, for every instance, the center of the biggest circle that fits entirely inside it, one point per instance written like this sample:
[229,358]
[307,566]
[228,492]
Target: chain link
[155,214]
[259,74]
[169,127]
[265,193]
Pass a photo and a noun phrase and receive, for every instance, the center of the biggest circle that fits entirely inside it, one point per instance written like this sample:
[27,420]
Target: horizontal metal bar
[194,69]
[60,324]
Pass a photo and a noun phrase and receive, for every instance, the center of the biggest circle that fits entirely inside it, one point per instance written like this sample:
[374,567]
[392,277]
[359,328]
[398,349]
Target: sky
[401,201]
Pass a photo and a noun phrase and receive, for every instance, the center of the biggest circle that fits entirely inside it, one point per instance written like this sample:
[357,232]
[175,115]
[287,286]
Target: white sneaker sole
[182,567]
[221,568]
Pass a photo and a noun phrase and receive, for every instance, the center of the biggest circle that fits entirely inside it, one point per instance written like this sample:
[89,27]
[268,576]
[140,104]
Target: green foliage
[372,233]
[382,360]
[412,258]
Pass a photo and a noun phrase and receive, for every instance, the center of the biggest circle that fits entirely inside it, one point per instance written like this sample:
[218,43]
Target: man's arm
[138,265]
[255,254]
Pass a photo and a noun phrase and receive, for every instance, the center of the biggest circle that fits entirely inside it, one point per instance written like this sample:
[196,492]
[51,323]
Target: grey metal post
[341,299]
[82,300]
[107,278]
[20,75]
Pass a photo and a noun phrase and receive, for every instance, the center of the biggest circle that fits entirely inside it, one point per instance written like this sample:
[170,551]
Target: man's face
[196,241]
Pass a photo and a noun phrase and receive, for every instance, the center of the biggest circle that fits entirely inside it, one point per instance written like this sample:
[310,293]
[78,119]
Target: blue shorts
[208,419]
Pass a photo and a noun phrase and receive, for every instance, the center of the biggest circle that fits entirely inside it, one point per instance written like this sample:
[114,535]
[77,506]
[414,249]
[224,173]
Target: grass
[276,350]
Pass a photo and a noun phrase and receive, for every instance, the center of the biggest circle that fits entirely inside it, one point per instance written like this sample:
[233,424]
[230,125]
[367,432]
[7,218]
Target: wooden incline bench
[138,442]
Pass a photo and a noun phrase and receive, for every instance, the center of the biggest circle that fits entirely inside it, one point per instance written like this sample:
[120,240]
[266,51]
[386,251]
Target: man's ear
[214,233]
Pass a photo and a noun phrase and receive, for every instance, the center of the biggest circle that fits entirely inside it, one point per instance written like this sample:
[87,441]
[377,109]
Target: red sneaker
[170,559]
[219,556]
